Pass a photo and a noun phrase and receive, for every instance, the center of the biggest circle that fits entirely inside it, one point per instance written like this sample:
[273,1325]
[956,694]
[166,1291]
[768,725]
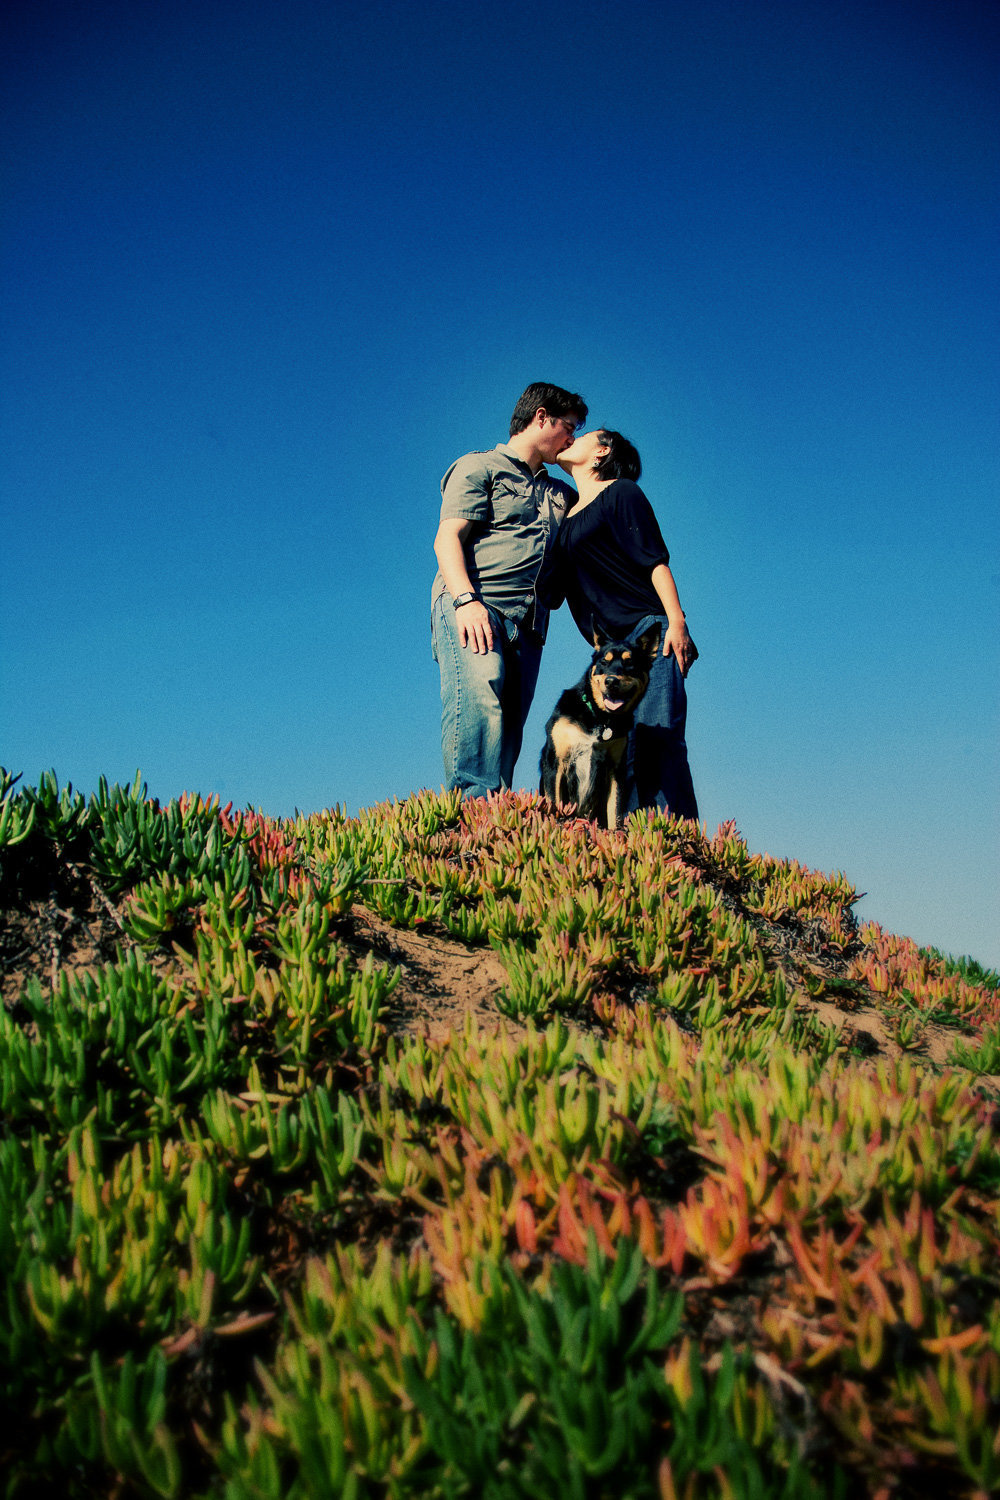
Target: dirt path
[441,980]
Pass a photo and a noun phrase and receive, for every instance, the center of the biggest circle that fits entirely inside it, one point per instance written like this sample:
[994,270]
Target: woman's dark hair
[622,462]
[557,403]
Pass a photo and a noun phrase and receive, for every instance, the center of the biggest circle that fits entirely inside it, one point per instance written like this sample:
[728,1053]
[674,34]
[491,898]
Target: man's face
[556,433]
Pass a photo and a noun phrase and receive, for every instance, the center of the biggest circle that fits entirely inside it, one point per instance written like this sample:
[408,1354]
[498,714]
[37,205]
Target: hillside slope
[461,1149]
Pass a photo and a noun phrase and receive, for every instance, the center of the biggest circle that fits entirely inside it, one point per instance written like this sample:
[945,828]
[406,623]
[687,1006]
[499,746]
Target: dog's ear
[649,643]
[597,636]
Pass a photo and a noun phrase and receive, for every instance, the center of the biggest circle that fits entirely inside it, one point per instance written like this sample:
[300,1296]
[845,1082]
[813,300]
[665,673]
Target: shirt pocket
[511,502]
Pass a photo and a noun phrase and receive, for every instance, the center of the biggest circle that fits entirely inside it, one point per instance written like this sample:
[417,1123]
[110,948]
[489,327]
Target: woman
[609,563]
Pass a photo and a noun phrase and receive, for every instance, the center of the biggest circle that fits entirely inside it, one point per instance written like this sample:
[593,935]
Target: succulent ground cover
[467,1150]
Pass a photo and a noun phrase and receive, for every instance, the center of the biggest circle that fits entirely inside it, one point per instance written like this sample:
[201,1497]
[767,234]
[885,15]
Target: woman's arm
[675,637]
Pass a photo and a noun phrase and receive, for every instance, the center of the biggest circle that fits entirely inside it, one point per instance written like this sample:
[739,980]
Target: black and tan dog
[583,759]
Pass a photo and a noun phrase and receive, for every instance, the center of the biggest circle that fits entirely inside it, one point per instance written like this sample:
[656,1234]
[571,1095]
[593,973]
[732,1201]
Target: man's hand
[474,628]
[472,619]
[677,640]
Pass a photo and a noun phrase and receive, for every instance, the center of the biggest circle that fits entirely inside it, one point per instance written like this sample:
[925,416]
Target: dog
[583,758]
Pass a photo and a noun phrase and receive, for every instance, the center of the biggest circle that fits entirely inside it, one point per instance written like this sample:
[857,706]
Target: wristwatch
[467,598]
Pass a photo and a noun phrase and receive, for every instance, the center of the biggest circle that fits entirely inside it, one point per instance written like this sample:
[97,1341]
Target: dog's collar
[606,729]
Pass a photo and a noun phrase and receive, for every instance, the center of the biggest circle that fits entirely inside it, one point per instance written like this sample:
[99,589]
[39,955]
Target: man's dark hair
[557,403]
[622,462]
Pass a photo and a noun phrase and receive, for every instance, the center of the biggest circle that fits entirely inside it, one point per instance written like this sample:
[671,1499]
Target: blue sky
[268,268]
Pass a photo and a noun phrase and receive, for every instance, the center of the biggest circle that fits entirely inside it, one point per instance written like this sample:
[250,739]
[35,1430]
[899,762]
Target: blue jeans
[485,698]
[656,759]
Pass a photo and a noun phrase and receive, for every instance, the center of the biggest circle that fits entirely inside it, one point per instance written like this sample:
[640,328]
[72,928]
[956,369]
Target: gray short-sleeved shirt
[516,513]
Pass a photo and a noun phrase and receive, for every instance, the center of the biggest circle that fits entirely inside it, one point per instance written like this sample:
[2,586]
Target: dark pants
[656,760]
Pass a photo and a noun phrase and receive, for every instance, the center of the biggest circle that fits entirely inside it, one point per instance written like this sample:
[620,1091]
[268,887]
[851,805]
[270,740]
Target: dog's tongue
[614,704]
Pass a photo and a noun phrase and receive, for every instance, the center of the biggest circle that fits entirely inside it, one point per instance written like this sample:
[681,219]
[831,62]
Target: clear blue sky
[269,267]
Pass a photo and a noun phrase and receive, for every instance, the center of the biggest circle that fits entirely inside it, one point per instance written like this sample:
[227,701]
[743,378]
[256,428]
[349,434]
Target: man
[498,512]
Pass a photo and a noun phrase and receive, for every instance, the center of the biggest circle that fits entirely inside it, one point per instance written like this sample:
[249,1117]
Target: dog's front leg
[615,806]
[614,803]
[567,787]
[588,802]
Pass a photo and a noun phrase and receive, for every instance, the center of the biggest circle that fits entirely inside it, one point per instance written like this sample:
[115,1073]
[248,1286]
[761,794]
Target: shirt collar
[517,459]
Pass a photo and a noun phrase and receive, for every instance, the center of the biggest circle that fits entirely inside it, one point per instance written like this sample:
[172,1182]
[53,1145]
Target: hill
[463,1149]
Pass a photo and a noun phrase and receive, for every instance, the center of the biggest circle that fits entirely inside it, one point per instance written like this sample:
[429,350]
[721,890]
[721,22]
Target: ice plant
[670,1233]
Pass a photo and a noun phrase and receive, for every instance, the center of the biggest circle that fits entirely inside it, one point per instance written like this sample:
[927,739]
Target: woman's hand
[675,637]
[677,640]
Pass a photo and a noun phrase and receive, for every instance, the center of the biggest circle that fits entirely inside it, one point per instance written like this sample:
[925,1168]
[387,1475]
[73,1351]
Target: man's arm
[473,620]
[675,637]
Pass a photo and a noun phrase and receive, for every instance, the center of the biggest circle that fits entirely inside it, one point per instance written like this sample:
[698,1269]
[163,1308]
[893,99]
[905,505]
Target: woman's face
[584,452]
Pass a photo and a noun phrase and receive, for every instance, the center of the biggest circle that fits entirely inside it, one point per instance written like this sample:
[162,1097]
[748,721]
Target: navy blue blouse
[601,561]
